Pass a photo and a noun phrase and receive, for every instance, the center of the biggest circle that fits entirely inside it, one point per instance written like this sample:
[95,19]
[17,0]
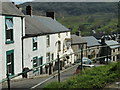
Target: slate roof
[77,40]
[38,25]
[112,42]
[91,41]
[34,27]
[8,8]
[54,25]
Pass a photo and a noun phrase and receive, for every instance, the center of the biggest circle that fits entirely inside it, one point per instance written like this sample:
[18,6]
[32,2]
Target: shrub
[96,77]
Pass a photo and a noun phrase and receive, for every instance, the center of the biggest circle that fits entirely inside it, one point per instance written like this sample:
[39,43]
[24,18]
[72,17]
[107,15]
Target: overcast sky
[21,1]
[67,0]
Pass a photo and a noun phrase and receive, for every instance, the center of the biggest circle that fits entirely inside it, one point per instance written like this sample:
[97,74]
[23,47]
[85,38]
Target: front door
[40,63]
[10,62]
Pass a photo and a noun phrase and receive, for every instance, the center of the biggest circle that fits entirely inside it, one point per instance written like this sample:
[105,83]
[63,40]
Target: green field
[96,77]
[99,22]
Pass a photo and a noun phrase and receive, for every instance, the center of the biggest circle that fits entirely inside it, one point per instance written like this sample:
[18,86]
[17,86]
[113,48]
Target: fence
[8,78]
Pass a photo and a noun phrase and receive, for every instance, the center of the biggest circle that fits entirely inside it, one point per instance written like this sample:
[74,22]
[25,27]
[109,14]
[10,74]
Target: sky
[67,0]
[22,1]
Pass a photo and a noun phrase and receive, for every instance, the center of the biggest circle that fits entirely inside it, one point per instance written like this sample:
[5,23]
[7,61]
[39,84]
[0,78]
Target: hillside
[71,8]
[91,18]
[90,24]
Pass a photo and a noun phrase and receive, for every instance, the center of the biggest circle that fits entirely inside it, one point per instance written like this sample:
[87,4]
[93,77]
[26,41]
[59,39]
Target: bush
[96,77]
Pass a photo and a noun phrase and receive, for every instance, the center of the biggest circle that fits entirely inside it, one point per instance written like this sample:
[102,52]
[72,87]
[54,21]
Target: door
[10,62]
[40,63]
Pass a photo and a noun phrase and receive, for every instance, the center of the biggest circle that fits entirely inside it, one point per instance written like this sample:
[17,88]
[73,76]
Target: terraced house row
[28,41]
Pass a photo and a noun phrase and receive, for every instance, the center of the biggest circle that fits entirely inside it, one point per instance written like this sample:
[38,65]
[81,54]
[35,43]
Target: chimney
[78,33]
[103,41]
[29,10]
[17,6]
[13,3]
[50,14]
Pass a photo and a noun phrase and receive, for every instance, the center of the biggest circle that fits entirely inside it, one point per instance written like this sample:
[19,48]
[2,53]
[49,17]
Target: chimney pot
[50,14]
[29,10]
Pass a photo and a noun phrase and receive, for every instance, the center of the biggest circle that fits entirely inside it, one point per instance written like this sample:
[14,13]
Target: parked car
[85,60]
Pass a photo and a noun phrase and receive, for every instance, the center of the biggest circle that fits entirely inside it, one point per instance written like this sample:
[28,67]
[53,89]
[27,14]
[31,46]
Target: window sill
[34,49]
[48,46]
[9,42]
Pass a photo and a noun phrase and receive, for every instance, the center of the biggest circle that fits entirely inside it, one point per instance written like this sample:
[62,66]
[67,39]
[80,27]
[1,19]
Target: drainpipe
[22,45]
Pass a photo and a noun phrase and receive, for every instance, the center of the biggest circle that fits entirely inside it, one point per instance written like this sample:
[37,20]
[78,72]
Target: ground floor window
[10,62]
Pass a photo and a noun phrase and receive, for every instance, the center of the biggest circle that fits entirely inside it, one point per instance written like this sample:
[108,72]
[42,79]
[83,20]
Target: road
[31,83]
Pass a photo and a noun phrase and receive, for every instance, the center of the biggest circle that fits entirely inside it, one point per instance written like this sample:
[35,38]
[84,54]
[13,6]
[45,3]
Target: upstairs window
[34,43]
[9,29]
[59,35]
[48,40]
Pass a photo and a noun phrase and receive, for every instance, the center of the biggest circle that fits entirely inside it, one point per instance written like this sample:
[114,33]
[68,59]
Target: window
[10,62]
[47,57]
[35,63]
[118,49]
[59,35]
[59,46]
[48,40]
[9,30]
[34,43]
[113,50]
[66,33]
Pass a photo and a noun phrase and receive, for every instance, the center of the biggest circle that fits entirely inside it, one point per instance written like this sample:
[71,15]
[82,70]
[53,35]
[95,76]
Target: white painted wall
[1,47]
[42,48]
[16,46]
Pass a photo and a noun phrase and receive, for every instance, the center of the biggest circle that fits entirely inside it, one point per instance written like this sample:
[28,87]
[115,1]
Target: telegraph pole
[8,80]
[81,55]
[58,67]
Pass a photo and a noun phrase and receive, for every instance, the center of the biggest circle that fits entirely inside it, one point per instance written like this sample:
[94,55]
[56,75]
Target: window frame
[12,37]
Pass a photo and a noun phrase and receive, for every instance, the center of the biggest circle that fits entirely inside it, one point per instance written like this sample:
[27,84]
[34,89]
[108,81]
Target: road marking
[42,82]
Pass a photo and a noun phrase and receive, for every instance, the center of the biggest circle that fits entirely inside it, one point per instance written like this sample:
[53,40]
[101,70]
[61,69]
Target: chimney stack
[13,3]
[17,6]
[29,10]
[50,14]
[103,41]
[78,33]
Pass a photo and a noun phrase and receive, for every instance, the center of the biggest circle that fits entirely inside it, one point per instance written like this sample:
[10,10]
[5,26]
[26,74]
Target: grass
[97,77]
